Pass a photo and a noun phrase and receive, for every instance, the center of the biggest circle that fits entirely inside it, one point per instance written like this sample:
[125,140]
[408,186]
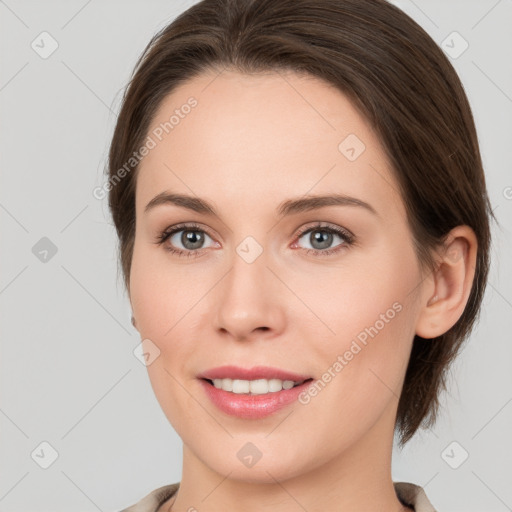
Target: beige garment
[411,495]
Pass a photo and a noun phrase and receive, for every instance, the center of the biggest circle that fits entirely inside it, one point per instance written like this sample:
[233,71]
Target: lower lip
[252,406]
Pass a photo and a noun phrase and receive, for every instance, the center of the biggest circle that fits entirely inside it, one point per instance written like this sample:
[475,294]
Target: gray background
[68,373]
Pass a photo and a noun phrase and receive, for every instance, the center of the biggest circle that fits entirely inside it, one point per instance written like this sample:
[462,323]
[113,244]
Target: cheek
[166,303]
[351,300]
[161,294]
[370,312]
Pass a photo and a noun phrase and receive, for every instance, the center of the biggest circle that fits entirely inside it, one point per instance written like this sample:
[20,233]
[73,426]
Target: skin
[252,142]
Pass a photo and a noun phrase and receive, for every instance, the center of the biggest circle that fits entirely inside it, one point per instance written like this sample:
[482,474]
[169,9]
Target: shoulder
[413,495]
[408,493]
[152,501]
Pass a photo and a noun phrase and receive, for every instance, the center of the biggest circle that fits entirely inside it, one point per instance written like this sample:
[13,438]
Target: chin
[267,466]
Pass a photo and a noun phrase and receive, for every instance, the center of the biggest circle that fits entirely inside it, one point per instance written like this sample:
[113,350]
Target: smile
[254,387]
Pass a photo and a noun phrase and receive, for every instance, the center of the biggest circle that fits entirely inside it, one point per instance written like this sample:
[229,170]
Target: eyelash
[348,238]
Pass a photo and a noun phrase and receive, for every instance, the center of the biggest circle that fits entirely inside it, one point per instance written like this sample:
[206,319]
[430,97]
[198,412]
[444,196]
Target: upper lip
[254,373]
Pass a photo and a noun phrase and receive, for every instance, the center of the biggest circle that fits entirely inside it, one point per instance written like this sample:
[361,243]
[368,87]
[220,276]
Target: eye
[190,236]
[322,236]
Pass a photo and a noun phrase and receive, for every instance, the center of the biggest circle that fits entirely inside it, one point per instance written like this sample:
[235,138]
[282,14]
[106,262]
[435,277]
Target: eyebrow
[288,207]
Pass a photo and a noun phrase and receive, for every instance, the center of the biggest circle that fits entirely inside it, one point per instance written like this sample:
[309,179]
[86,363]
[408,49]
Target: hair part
[401,83]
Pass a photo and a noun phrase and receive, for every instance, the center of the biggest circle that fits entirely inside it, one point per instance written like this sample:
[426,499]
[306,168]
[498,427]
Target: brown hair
[399,80]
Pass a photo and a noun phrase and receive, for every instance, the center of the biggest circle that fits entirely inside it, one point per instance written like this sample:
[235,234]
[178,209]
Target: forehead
[250,138]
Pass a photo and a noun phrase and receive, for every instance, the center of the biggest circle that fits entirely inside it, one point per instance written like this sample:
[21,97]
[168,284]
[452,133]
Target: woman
[304,237]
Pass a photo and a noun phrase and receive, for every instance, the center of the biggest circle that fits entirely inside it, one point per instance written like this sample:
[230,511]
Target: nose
[250,301]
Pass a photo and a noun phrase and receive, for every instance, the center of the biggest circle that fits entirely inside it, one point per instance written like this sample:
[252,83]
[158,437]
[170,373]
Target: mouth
[254,387]
[258,380]
[256,396]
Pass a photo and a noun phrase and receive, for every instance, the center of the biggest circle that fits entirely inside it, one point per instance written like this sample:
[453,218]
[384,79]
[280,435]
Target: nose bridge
[248,299]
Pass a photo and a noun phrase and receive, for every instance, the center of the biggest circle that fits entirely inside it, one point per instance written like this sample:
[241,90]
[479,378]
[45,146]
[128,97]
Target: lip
[252,407]
[249,406]
[254,373]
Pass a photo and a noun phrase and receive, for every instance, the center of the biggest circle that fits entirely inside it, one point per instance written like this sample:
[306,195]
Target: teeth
[254,387]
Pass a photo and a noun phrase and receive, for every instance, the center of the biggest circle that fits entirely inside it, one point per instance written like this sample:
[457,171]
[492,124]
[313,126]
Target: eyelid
[320,225]
[164,235]
[187,226]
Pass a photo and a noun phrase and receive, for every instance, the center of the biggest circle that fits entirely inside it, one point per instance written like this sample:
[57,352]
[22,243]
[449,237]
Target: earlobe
[452,281]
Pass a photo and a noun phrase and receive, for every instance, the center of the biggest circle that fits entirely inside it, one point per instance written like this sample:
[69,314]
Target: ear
[447,290]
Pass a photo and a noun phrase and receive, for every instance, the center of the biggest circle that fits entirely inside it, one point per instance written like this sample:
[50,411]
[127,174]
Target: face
[327,290]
